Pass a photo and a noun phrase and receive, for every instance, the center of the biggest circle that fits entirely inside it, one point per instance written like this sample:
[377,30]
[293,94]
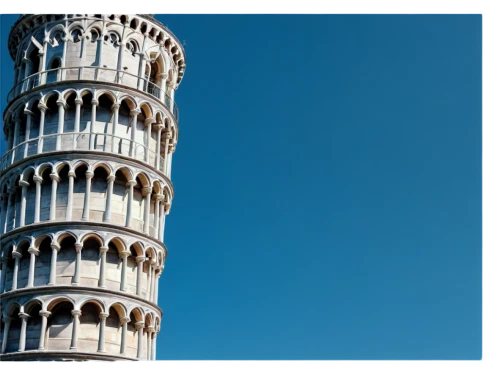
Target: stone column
[148,282]
[60,123]
[6,320]
[159,199]
[102,333]
[157,280]
[22,337]
[124,256]
[53,198]
[115,107]
[109,194]
[153,347]
[76,127]
[38,191]
[43,328]
[86,202]
[53,263]
[71,183]
[148,123]
[17,127]
[3,210]
[102,267]
[94,103]
[161,219]
[43,108]
[166,151]
[133,141]
[76,322]
[11,207]
[123,322]
[31,275]
[24,189]
[28,114]
[17,256]
[139,326]
[146,192]
[139,261]
[159,128]
[152,282]
[171,150]
[148,343]
[4,274]
[78,261]
[130,185]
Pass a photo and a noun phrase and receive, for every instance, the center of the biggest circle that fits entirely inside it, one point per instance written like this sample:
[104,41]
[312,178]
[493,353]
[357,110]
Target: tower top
[145,23]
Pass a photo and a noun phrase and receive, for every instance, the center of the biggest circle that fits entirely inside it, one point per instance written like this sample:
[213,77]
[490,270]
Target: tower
[91,126]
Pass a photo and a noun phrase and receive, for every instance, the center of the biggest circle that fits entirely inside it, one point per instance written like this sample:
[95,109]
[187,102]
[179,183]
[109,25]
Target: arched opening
[54,73]
[29,216]
[34,129]
[51,123]
[33,326]
[132,333]
[113,271]
[88,335]
[62,193]
[35,61]
[24,265]
[103,124]
[43,262]
[89,274]
[59,326]
[112,332]
[46,194]
[98,193]
[79,191]
[14,330]
[9,271]
[120,191]
[132,268]
[65,266]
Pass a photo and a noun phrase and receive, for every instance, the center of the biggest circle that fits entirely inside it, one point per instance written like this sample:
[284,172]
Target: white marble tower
[91,126]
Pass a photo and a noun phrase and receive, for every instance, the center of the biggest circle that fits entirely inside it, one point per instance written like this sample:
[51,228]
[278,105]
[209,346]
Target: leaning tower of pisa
[90,126]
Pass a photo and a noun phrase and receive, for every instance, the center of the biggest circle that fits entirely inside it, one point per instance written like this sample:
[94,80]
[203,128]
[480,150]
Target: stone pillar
[139,261]
[71,183]
[16,257]
[160,220]
[76,322]
[86,202]
[133,141]
[4,274]
[146,192]
[60,124]
[153,347]
[102,333]
[43,328]
[130,185]
[171,149]
[28,114]
[157,198]
[11,207]
[123,322]
[22,337]
[6,320]
[166,152]
[38,191]
[31,275]
[24,189]
[76,127]
[3,210]
[123,283]
[148,123]
[109,194]
[148,286]
[53,198]
[139,326]
[159,128]
[17,127]
[102,267]
[94,103]
[53,263]
[43,108]
[157,280]
[115,107]
[78,261]
[148,343]
[152,282]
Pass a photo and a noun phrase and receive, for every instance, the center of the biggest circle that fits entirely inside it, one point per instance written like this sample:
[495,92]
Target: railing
[82,142]
[93,73]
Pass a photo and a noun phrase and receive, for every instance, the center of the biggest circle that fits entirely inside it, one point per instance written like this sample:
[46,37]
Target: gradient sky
[327,188]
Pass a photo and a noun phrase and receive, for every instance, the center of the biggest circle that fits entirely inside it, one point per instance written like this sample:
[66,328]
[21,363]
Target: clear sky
[327,188]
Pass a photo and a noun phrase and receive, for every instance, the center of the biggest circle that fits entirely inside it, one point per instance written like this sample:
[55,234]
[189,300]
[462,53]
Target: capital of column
[27,112]
[135,112]
[169,134]
[78,247]
[55,176]
[12,190]
[79,101]
[111,178]
[115,106]
[32,250]
[148,121]
[61,102]
[140,259]
[158,126]
[44,313]
[159,197]
[76,312]
[42,107]
[89,174]
[103,249]
[94,102]
[103,315]
[125,254]
[15,254]
[7,319]
[72,173]
[147,190]
[56,246]
[124,320]
[171,149]
[24,316]
[23,183]
[131,183]
[37,179]
[139,325]
[150,329]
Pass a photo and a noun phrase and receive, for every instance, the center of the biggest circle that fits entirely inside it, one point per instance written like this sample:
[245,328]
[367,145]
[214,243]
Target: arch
[51,303]
[104,165]
[118,242]
[60,236]
[129,100]
[40,238]
[92,235]
[92,300]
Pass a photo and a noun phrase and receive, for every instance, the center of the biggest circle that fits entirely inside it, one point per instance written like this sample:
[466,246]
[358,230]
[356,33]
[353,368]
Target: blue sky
[327,188]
